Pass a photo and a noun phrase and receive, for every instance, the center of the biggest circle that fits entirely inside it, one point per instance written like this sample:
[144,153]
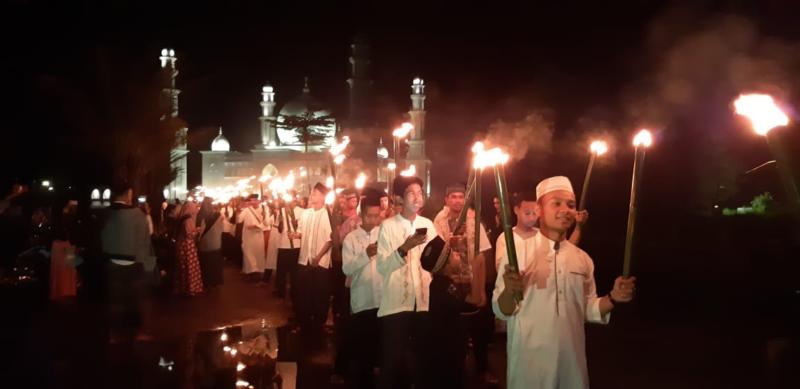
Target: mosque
[281,148]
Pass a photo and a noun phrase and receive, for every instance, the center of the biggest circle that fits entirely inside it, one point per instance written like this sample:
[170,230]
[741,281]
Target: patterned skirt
[188,276]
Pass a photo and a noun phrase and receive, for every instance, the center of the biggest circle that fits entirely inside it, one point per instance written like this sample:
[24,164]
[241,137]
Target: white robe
[546,341]
[253,250]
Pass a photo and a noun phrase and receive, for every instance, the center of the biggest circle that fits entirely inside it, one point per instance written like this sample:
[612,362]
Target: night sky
[582,69]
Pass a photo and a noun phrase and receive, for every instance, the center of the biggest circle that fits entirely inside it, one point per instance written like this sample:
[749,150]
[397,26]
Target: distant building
[280,150]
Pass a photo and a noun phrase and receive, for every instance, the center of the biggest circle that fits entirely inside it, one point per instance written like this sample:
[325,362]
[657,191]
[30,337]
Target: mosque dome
[302,106]
[220,143]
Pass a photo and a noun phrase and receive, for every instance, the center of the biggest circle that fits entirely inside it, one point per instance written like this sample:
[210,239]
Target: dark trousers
[364,344]
[125,292]
[405,351]
[287,263]
[313,297]
[449,331]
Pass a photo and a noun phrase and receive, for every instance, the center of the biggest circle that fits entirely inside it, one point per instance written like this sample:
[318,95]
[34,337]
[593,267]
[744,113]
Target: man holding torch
[403,310]
[546,340]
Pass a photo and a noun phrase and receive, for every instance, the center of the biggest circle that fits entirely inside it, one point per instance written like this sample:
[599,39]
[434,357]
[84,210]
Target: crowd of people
[407,295]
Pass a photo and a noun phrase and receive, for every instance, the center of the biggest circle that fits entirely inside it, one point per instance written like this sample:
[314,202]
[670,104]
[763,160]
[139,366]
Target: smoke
[531,135]
[719,58]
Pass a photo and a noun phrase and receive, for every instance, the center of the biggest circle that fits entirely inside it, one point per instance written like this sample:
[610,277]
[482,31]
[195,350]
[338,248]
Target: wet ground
[65,345]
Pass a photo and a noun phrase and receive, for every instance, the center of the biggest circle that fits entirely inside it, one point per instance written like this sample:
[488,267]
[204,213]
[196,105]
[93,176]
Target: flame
[240,366]
[403,130]
[287,197]
[288,183]
[410,171]
[264,178]
[643,138]
[224,337]
[242,383]
[303,173]
[361,180]
[338,159]
[391,165]
[329,182]
[338,147]
[487,158]
[330,198]
[762,111]
[598,147]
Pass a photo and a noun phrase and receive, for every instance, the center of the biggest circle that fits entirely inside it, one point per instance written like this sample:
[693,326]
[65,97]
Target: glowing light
[487,158]
[338,147]
[762,111]
[361,180]
[242,383]
[410,171]
[46,183]
[240,366]
[264,178]
[643,138]
[233,352]
[403,130]
[164,52]
[224,337]
[107,194]
[267,89]
[165,192]
[391,165]
[329,182]
[171,52]
[227,349]
[96,194]
[330,198]
[598,147]
[303,173]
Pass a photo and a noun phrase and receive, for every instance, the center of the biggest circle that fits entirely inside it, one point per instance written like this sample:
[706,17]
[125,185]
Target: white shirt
[405,283]
[365,287]
[315,228]
[546,341]
[523,246]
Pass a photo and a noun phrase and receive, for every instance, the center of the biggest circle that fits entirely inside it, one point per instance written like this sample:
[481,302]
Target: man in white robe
[403,312]
[314,263]
[546,340]
[358,263]
[254,223]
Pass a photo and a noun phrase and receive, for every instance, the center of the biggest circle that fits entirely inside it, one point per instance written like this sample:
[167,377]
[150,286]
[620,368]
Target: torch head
[598,147]
[762,111]
[643,138]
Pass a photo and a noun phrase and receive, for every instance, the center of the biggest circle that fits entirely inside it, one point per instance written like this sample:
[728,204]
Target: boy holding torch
[546,340]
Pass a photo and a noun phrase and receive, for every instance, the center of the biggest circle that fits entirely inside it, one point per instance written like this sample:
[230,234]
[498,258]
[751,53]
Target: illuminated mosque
[280,149]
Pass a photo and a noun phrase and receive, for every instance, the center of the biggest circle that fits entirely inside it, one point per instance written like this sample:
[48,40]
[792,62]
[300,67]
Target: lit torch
[496,159]
[764,115]
[398,134]
[641,142]
[337,153]
[411,171]
[597,148]
[478,165]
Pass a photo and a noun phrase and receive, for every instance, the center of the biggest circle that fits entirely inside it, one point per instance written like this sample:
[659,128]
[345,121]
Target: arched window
[95,194]
[106,194]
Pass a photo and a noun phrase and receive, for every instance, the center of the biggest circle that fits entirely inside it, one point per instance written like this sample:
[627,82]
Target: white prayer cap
[553,184]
